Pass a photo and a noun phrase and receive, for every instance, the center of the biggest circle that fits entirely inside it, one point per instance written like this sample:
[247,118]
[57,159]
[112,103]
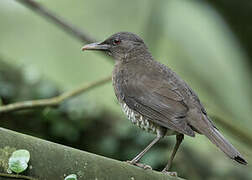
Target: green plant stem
[16,176]
[55,101]
[55,19]
[51,161]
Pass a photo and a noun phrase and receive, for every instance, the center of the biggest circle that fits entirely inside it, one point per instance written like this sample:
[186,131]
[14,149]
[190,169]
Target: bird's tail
[206,127]
[220,141]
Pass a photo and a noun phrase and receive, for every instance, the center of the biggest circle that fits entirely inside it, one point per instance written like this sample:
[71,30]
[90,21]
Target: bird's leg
[141,154]
[179,139]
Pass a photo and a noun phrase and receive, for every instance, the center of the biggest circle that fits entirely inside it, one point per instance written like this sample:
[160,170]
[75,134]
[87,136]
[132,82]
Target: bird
[155,98]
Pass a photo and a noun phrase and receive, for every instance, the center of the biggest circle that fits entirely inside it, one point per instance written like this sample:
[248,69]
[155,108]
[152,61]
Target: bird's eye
[116,41]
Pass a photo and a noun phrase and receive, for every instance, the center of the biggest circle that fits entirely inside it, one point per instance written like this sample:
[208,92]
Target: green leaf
[18,162]
[22,155]
[17,166]
[71,177]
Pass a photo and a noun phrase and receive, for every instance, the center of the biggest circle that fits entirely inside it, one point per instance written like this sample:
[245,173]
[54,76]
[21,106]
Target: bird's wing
[162,103]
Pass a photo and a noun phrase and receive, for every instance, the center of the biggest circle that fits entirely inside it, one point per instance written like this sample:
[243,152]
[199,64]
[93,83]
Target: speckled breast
[139,120]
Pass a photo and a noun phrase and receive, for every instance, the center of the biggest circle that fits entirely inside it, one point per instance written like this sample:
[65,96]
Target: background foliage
[208,44]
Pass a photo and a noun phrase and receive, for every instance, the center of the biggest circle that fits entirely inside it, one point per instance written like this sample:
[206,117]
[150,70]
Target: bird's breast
[139,120]
[143,122]
[119,77]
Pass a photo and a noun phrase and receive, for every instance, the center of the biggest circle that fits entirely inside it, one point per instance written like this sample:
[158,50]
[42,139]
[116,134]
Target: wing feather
[162,105]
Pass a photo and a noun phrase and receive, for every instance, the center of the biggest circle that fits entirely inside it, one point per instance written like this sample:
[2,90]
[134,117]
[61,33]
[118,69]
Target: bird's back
[155,91]
[156,75]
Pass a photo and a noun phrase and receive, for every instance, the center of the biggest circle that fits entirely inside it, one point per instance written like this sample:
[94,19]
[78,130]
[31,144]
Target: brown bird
[155,98]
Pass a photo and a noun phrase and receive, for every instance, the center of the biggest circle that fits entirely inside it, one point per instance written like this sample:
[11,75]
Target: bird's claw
[144,166]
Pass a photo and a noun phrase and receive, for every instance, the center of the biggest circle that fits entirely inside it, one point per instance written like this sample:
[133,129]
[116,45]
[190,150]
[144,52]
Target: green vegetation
[39,60]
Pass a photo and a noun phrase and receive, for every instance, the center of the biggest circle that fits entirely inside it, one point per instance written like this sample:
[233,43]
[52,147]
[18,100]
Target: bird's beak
[96,46]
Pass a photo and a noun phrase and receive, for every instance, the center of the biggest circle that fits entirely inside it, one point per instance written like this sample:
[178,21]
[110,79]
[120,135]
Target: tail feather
[218,139]
[205,126]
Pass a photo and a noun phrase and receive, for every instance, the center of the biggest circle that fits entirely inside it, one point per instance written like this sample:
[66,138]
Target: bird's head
[119,45]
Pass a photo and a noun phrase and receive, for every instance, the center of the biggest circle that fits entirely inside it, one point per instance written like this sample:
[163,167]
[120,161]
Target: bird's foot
[170,173]
[144,166]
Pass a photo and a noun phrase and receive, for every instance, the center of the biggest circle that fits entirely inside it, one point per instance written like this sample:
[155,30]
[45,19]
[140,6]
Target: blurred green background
[209,44]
